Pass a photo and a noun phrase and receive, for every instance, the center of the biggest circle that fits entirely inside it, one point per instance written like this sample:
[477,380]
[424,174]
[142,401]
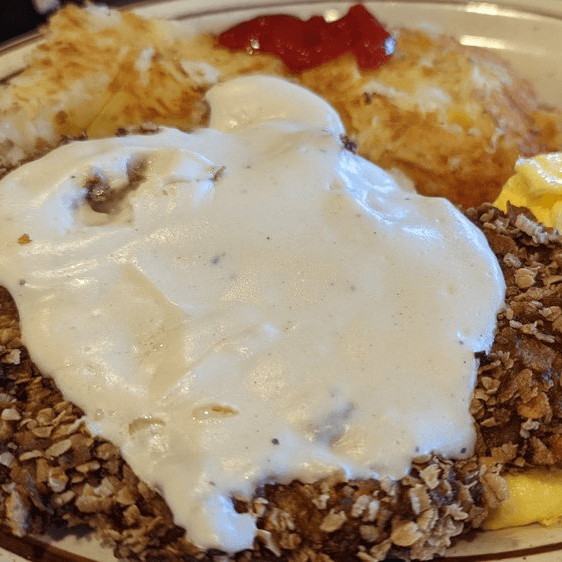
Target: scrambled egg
[537,185]
[535,496]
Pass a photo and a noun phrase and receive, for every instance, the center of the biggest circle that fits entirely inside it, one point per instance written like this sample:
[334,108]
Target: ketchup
[307,44]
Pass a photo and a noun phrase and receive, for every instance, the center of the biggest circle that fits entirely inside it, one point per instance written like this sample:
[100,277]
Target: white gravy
[260,306]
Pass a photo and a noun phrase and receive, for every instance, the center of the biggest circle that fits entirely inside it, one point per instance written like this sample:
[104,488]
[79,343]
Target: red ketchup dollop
[306,44]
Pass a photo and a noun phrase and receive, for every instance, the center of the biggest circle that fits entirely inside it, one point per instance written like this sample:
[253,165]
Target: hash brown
[453,118]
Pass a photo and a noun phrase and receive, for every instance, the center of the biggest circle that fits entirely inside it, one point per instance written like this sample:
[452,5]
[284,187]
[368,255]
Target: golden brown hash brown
[453,118]
[53,470]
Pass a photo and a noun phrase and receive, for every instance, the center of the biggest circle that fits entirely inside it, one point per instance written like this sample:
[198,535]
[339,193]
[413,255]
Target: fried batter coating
[53,470]
[518,399]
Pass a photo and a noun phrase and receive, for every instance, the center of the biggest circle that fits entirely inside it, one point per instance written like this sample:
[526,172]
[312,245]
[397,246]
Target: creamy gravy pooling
[255,304]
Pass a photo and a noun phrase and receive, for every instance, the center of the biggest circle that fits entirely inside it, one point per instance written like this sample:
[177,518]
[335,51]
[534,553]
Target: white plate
[526,32]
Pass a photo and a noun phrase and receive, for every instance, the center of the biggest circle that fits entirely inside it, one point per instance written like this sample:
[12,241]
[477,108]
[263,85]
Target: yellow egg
[535,496]
[537,185]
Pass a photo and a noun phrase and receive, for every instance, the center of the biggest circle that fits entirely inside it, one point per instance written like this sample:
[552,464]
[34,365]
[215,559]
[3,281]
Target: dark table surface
[18,17]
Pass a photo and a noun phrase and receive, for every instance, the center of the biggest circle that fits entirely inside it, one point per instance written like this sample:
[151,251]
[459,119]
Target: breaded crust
[53,470]
[518,399]
[453,118]
[416,114]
